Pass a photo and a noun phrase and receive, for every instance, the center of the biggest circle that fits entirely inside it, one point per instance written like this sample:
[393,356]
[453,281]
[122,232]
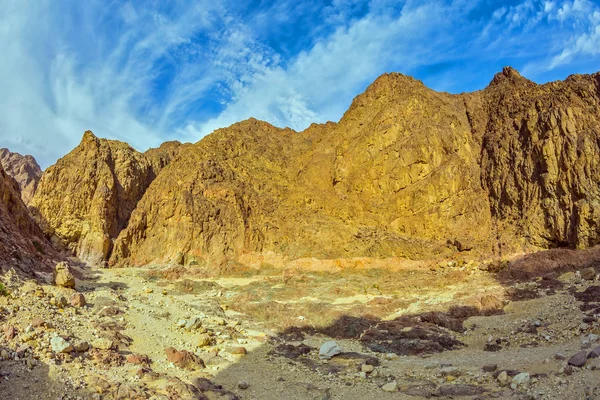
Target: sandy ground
[273,316]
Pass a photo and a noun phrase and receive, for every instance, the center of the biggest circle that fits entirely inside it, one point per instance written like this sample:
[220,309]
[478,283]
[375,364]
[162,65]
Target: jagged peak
[509,75]
[89,136]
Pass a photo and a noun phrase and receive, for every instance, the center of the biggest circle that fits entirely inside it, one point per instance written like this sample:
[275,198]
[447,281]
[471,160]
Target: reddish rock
[37,322]
[138,359]
[77,300]
[10,332]
[184,359]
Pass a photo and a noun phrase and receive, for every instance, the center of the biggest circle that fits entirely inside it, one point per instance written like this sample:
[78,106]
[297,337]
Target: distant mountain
[24,169]
[407,172]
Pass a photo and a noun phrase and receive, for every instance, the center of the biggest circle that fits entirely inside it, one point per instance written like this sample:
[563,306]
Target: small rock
[148,290]
[239,351]
[77,300]
[367,369]
[578,360]
[63,276]
[81,346]
[390,387]
[184,359]
[595,353]
[60,345]
[37,322]
[588,274]
[520,379]
[243,385]
[193,323]
[181,323]
[10,332]
[329,349]
[559,356]
[103,344]
[204,340]
[502,378]
[490,368]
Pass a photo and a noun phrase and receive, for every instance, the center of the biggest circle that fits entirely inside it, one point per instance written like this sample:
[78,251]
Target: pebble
[329,349]
[60,345]
[502,378]
[102,344]
[578,359]
[367,369]
[390,387]
[520,379]
[243,385]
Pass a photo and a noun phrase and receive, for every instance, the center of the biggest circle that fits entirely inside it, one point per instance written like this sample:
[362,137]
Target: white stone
[329,349]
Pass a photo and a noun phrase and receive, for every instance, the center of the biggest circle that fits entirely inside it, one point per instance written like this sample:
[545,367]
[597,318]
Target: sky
[149,71]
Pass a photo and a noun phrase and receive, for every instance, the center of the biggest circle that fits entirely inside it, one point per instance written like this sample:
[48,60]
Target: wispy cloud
[148,72]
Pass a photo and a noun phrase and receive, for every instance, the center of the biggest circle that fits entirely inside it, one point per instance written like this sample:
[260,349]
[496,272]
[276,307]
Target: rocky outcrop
[86,198]
[407,172]
[24,169]
[22,243]
[540,159]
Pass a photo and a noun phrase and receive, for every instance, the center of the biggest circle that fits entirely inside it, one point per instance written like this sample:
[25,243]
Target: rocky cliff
[407,172]
[22,243]
[24,169]
[86,198]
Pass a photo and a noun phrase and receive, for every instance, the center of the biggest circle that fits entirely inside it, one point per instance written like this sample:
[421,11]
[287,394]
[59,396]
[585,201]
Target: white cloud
[143,72]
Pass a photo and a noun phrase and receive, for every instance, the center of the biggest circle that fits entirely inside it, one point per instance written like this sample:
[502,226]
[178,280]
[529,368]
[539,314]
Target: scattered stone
[77,300]
[204,340]
[595,353]
[239,351]
[588,274]
[60,345]
[243,385]
[367,368]
[63,276]
[490,367]
[81,346]
[578,360]
[193,323]
[139,359]
[329,349]
[559,356]
[37,322]
[390,387]
[184,359]
[521,379]
[10,332]
[502,378]
[103,344]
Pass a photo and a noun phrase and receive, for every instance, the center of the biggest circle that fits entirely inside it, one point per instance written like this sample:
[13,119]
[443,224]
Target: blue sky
[155,70]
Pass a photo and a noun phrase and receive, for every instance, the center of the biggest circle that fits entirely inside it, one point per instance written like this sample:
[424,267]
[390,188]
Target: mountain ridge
[406,172]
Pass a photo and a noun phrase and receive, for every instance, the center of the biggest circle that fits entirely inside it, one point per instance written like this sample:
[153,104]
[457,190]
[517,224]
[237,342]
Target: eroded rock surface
[24,169]
[86,198]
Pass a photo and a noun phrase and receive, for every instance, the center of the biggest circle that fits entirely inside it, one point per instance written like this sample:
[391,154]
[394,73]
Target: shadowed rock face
[24,169]
[540,160]
[86,198]
[407,172]
[22,243]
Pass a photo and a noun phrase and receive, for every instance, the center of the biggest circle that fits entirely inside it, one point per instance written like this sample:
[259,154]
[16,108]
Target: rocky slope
[24,169]
[407,172]
[22,243]
[86,198]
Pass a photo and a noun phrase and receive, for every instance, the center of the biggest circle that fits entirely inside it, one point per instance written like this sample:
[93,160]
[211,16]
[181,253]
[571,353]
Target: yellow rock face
[86,198]
[407,172]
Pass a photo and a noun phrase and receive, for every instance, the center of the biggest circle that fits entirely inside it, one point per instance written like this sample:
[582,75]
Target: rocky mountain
[86,198]
[22,243]
[24,169]
[407,172]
